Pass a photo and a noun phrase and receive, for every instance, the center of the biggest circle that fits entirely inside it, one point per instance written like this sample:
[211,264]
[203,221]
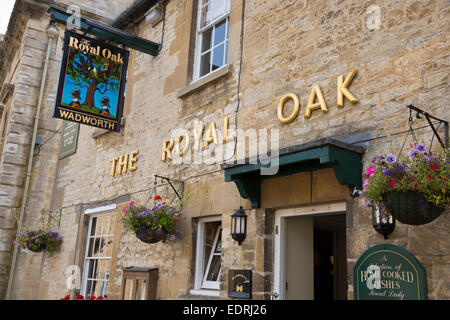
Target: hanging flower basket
[415,188]
[411,207]
[37,241]
[149,236]
[159,223]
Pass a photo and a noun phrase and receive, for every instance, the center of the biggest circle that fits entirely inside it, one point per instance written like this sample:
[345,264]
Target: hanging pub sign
[91,82]
[388,272]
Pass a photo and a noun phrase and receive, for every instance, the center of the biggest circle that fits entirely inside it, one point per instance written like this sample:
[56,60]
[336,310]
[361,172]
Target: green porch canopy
[106,32]
[344,158]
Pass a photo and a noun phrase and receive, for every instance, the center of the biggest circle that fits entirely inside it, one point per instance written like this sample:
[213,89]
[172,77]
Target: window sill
[203,81]
[204,292]
[99,132]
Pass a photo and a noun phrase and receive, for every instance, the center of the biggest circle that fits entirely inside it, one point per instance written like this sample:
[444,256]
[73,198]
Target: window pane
[205,64]
[93,226]
[214,269]
[219,32]
[218,55]
[206,40]
[219,244]
[206,15]
[218,8]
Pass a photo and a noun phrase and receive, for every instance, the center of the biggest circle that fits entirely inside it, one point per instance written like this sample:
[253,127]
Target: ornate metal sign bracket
[171,185]
[420,112]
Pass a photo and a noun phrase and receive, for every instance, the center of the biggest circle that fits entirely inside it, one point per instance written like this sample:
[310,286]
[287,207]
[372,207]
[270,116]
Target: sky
[6,7]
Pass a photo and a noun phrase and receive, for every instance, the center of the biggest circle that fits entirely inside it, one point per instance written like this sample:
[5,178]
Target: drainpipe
[52,35]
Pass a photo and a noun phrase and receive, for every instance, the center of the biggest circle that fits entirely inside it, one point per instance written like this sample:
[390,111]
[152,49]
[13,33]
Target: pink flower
[393,183]
[430,177]
[370,170]
[180,214]
[124,209]
[131,203]
[445,179]
[365,184]
[415,186]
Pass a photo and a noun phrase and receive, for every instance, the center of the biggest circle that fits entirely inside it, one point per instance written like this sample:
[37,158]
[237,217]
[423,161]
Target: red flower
[180,214]
[393,183]
[434,166]
[158,198]
[99,298]
[430,177]
[415,186]
[175,220]
[66,297]
[80,297]
[92,298]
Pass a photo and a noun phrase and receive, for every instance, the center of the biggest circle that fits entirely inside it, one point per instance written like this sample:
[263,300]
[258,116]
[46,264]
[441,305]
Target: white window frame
[199,37]
[95,213]
[213,284]
[200,270]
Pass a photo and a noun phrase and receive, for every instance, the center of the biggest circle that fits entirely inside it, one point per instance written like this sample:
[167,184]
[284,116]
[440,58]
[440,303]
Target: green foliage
[85,69]
[421,171]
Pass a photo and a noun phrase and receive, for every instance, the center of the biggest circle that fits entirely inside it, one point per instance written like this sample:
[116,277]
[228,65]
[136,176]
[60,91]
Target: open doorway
[310,254]
[330,266]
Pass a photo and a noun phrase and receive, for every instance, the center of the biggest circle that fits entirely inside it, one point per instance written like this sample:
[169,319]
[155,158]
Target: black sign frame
[240,284]
[80,115]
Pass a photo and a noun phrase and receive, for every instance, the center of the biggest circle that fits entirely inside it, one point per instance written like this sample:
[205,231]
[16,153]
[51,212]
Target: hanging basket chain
[152,192]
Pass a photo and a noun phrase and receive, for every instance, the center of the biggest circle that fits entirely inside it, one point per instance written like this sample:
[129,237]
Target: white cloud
[5,12]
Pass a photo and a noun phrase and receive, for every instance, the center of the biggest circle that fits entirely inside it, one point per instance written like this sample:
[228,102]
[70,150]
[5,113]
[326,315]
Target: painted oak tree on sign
[94,73]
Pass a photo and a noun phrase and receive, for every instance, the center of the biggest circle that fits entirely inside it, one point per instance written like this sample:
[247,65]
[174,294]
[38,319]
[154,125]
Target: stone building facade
[399,51]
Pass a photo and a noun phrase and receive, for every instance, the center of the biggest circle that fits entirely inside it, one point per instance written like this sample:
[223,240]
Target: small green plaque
[69,139]
[388,272]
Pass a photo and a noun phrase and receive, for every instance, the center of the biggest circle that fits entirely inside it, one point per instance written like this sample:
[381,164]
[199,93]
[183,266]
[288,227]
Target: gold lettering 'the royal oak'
[342,89]
[167,150]
[316,92]
[126,163]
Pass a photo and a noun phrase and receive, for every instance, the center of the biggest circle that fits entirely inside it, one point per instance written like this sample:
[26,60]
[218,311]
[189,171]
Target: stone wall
[287,47]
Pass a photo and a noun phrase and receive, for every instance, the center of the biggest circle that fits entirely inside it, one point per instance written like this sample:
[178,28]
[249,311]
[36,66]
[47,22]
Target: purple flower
[390,158]
[374,159]
[411,154]
[387,172]
[421,148]
[21,234]
[59,238]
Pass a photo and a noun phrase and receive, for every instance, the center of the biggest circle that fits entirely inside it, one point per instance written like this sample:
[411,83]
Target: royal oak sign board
[92,82]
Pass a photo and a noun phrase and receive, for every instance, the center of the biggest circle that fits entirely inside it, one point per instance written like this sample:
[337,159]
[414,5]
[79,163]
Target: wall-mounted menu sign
[69,139]
[240,284]
[92,82]
[388,272]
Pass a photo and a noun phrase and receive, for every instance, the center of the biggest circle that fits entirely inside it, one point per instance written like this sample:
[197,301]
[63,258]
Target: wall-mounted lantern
[382,220]
[239,225]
